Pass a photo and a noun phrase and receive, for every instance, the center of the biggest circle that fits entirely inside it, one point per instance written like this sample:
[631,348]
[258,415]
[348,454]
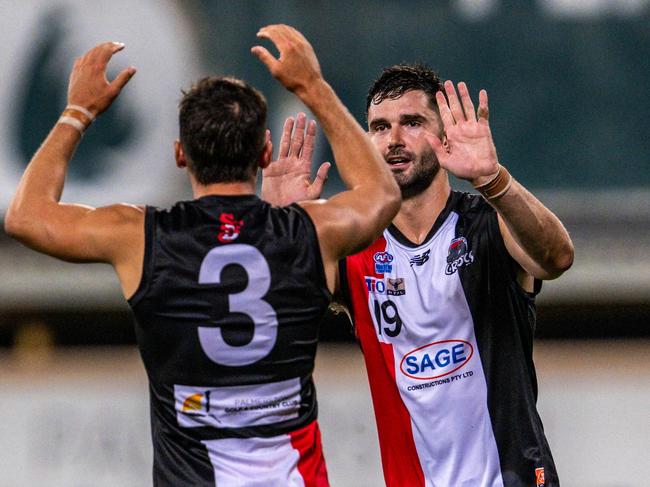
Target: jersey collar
[452,201]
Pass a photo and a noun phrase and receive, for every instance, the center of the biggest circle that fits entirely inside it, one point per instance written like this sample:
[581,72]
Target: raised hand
[288,179]
[297,66]
[470,153]
[88,87]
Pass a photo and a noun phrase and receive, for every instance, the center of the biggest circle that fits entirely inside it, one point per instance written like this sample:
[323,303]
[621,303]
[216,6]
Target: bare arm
[352,219]
[77,233]
[533,235]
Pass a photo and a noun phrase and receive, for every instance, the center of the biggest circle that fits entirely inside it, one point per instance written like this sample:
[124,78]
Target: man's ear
[179,154]
[267,152]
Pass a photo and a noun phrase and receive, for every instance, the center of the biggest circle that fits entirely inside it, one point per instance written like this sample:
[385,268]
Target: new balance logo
[420,259]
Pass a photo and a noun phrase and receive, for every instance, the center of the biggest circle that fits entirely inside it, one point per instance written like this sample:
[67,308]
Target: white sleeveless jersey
[446,333]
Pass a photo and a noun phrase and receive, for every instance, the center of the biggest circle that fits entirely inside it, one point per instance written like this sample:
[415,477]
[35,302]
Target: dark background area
[569,103]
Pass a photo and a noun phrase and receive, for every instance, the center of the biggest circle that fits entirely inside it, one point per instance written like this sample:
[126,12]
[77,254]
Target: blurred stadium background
[569,84]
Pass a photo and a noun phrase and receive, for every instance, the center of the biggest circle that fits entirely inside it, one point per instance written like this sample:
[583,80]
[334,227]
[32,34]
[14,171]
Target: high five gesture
[288,178]
[470,153]
[351,220]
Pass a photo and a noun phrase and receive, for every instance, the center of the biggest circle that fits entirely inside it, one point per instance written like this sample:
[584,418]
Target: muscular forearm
[534,236]
[42,183]
[357,160]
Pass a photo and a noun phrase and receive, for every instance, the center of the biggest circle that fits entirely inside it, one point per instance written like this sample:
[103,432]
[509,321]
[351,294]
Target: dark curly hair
[396,80]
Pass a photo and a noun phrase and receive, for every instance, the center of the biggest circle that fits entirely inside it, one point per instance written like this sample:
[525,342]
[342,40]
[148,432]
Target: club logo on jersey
[459,255]
[436,359]
[390,287]
[230,227]
[197,404]
[396,287]
[237,406]
[383,262]
[539,477]
[420,259]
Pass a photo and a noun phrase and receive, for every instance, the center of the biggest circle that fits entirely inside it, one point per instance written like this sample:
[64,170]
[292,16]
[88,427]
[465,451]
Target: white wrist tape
[78,117]
[83,110]
[74,122]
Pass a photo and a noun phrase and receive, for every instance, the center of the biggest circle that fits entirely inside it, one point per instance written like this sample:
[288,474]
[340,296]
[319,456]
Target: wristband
[498,186]
[78,117]
[83,110]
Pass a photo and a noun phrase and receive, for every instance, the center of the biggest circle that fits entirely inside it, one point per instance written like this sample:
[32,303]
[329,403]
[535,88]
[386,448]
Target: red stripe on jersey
[399,456]
[311,463]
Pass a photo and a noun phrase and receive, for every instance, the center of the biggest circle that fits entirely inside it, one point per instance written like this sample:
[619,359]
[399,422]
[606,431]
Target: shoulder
[465,203]
[118,217]
[474,213]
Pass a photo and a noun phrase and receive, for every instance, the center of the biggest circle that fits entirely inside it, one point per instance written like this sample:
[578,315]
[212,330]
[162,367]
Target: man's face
[397,129]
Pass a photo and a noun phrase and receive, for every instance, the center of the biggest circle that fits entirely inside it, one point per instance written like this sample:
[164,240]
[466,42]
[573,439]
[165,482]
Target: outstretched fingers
[454,104]
[454,110]
[445,113]
[319,182]
[483,110]
[298,138]
[298,135]
[466,100]
[310,142]
[285,140]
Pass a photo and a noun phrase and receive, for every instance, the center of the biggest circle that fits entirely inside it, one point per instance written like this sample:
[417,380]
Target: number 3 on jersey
[249,302]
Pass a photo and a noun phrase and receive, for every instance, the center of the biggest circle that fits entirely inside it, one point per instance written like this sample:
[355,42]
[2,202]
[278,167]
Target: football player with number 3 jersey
[228,291]
[443,301]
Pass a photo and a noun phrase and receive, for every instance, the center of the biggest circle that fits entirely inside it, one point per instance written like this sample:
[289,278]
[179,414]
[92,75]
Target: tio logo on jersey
[436,359]
[392,287]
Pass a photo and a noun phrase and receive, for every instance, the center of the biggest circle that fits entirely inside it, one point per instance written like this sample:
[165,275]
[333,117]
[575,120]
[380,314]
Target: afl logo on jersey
[436,359]
[383,262]
[459,255]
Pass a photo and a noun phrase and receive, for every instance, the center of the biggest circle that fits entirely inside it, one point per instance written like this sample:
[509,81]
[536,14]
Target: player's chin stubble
[424,171]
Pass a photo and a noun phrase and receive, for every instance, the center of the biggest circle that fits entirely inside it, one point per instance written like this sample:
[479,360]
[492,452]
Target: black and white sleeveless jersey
[447,336]
[228,311]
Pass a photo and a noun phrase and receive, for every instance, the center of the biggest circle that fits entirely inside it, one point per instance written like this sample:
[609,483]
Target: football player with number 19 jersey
[443,301]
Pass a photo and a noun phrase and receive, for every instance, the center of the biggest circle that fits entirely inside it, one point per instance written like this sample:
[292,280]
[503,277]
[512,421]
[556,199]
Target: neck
[418,214]
[225,189]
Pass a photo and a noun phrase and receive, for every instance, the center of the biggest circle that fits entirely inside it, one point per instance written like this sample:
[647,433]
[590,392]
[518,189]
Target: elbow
[393,199]
[566,261]
[17,226]
[390,208]
[561,261]
[395,203]
[12,225]
[564,258]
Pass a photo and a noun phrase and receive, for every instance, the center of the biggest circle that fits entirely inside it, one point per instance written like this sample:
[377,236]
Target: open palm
[288,179]
[470,153]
